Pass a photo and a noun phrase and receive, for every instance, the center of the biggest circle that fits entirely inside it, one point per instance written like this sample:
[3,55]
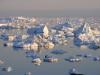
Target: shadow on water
[58,51]
[17,49]
[34,31]
[77,42]
[94,46]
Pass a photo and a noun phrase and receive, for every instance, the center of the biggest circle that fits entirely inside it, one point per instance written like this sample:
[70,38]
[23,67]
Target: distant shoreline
[51,13]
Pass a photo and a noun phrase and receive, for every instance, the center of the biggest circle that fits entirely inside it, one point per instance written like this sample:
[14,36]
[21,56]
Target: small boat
[74,72]
[50,59]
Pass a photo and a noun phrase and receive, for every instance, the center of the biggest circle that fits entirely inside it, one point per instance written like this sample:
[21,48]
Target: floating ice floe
[73,71]
[50,59]
[1,62]
[8,69]
[96,58]
[29,73]
[73,59]
[36,60]
[86,36]
[85,55]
